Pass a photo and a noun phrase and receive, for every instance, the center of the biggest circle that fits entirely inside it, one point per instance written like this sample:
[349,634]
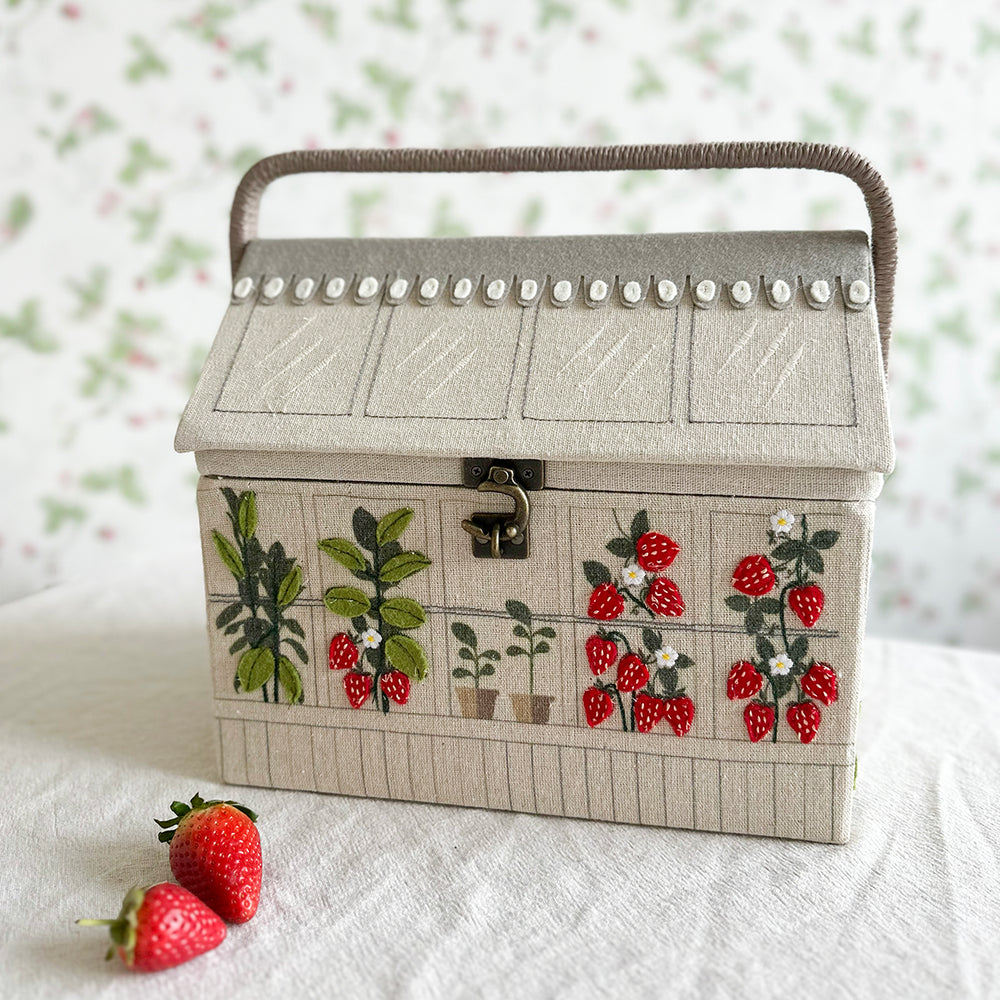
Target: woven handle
[539,159]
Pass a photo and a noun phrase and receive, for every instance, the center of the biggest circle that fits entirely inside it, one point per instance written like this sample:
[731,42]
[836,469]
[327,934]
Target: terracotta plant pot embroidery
[778,671]
[476,702]
[268,584]
[379,657]
[530,707]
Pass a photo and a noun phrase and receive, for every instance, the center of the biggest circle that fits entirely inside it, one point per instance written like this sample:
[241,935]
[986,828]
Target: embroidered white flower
[781,664]
[633,575]
[667,656]
[371,639]
[782,522]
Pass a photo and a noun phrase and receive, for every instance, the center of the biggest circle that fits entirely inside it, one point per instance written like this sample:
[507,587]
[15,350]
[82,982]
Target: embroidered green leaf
[683,661]
[490,654]
[738,602]
[549,633]
[782,684]
[291,682]
[521,632]
[799,648]
[518,610]
[596,573]
[824,539]
[651,640]
[621,547]
[365,529]
[464,634]
[407,655]
[640,525]
[812,558]
[404,565]
[542,647]
[294,627]
[247,517]
[464,653]
[402,612]
[769,605]
[255,668]
[298,649]
[754,620]
[290,587]
[787,550]
[487,671]
[460,673]
[390,527]
[765,648]
[516,651]
[238,645]
[256,630]
[667,677]
[345,552]
[228,554]
[228,614]
[348,602]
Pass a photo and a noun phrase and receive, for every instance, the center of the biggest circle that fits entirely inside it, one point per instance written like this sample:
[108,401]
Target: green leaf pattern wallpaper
[126,127]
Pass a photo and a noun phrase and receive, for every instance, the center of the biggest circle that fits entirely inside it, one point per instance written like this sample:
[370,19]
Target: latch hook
[497,529]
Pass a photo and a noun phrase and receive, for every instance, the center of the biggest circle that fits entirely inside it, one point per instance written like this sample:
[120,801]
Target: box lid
[709,349]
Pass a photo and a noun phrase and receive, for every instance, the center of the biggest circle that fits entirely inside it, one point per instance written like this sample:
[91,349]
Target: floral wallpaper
[126,127]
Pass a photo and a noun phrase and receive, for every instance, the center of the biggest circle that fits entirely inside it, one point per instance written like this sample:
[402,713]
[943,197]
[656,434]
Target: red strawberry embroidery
[820,682]
[804,717]
[680,714]
[807,603]
[655,551]
[753,576]
[632,673]
[605,602]
[601,654]
[744,681]
[597,705]
[344,654]
[396,686]
[759,720]
[648,712]
[663,598]
[358,688]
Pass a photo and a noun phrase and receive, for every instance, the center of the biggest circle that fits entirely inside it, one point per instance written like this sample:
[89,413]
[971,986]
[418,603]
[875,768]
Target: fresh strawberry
[820,682]
[344,654]
[759,720]
[601,654]
[754,576]
[804,718]
[358,688]
[215,852]
[744,681]
[807,603]
[680,714]
[597,705]
[648,712]
[632,673]
[161,926]
[663,598]
[605,602]
[396,685]
[655,551]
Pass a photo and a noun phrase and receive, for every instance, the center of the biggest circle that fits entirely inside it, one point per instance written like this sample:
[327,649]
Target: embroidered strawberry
[344,654]
[753,576]
[601,654]
[744,681]
[605,602]
[161,926]
[396,685]
[680,714]
[663,598]
[358,687]
[759,720]
[655,551]
[648,712]
[807,603]
[597,705]
[804,717]
[632,673]
[820,682]
[215,853]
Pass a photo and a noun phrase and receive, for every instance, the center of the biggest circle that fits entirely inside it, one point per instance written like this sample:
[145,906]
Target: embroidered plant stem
[482,660]
[280,577]
[536,638]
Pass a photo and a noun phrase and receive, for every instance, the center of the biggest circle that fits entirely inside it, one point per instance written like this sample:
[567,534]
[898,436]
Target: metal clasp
[500,536]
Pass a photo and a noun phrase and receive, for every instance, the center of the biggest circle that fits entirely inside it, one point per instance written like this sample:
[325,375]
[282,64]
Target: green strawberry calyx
[198,804]
[124,928]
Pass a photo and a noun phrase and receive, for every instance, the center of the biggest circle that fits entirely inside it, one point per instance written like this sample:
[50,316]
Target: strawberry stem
[621,706]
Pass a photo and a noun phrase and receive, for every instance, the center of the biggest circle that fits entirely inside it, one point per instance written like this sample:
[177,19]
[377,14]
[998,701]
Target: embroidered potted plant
[651,677]
[268,584]
[530,707]
[476,702]
[776,672]
[379,656]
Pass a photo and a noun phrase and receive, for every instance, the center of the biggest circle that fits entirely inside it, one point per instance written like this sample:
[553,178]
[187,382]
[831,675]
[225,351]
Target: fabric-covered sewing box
[577,526]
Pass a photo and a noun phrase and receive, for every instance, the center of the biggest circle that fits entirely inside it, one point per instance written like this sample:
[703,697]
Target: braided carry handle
[539,159]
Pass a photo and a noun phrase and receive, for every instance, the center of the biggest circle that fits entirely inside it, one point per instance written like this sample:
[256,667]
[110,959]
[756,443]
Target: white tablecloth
[105,702]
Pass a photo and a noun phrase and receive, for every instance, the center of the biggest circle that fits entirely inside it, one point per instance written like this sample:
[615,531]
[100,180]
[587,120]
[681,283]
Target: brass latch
[502,536]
